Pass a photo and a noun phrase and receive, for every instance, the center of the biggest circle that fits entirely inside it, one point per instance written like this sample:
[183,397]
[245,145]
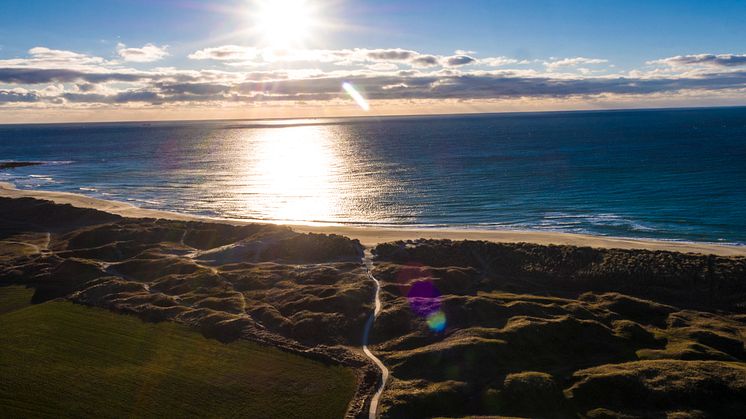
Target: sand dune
[465,327]
[478,328]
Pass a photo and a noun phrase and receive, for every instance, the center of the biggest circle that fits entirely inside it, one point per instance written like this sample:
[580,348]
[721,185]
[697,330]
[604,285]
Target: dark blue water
[664,174]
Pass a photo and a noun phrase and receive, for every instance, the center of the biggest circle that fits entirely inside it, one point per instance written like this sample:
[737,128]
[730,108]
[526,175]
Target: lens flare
[437,321]
[424,298]
[356,96]
[425,301]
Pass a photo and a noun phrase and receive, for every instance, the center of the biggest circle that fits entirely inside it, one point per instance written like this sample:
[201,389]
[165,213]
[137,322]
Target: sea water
[661,174]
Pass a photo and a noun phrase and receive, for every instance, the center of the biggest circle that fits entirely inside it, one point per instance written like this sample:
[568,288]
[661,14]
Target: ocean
[659,174]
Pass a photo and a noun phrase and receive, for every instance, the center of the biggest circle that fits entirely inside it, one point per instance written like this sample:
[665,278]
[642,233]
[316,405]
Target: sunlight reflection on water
[294,174]
[298,174]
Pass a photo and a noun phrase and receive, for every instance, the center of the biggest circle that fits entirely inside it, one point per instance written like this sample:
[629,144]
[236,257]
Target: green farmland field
[58,359]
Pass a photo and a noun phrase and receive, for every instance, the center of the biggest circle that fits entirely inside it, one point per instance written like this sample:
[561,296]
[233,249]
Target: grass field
[58,359]
[14,298]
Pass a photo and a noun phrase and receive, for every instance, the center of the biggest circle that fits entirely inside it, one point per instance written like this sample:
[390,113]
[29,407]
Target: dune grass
[58,359]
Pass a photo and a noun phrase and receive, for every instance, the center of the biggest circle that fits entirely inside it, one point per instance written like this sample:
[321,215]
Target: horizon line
[369,117]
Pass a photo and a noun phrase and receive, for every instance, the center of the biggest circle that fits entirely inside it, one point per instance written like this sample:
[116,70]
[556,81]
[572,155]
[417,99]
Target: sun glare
[283,23]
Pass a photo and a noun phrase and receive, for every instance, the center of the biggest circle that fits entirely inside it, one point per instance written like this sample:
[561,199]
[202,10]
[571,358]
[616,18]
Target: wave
[560,219]
[22,163]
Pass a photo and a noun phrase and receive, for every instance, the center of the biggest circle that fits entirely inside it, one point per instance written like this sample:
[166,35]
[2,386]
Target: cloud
[500,61]
[44,53]
[42,57]
[8,96]
[193,88]
[391,54]
[425,61]
[41,75]
[712,60]
[382,74]
[383,67]
[225,53]
[148,53]
[247,56]
[121,97]
[459,60]
[160,88]
[493,86]
[573,62]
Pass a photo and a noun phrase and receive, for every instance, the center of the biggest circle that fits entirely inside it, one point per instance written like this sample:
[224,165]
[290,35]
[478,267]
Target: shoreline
[371,236]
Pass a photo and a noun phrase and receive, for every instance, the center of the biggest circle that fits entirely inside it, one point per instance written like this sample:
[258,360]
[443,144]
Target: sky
[92,60]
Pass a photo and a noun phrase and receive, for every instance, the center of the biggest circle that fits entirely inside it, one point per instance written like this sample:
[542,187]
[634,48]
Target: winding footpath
[372,413]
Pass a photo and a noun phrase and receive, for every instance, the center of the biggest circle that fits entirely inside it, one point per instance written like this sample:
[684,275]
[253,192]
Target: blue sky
[628,31]
[586,42]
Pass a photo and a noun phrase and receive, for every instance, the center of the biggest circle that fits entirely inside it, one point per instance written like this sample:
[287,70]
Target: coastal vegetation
[560,331]
[176,316]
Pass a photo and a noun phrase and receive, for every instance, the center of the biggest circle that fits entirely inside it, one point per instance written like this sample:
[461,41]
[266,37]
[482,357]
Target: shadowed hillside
[535,331]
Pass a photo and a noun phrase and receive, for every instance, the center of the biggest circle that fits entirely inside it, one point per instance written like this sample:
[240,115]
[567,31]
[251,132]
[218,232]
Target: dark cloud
[193,88]
[7,96]
[38,76]
[402,85]
[86,87]
[413,58]
[457,60]
[721,60]
[425,61]
[225,53]
[493,86]
[139,96]
[489,87]
[121,97]
[391,55]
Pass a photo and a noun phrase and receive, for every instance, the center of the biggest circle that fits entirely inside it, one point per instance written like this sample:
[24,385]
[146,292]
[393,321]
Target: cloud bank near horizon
[233,75]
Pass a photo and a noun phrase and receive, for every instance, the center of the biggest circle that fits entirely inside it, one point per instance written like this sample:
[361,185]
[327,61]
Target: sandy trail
[372,413]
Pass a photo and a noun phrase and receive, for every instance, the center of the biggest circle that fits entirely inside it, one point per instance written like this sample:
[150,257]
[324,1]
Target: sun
[283,23]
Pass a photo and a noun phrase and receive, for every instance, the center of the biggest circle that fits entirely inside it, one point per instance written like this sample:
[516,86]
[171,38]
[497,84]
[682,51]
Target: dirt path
[384,371]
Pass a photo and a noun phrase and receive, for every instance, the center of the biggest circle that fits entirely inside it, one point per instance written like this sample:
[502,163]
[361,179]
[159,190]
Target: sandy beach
[371,236]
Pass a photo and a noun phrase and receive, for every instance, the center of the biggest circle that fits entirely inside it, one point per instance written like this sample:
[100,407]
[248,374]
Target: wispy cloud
[502,61]
[225,53]
[357,56]
[573,62]
[42,57]
[146,54]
